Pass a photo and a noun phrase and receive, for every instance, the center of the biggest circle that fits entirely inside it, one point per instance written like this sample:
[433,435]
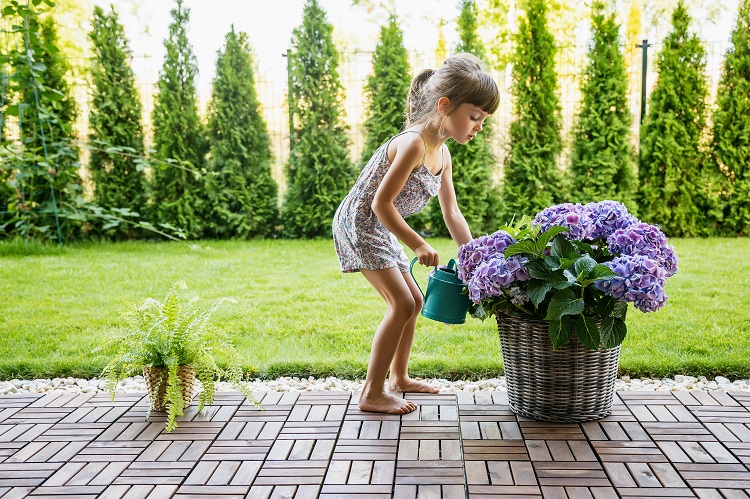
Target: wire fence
[354,70]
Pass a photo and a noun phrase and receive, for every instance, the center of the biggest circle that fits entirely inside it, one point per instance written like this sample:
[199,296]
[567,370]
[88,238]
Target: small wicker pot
[156,379]
[570,384]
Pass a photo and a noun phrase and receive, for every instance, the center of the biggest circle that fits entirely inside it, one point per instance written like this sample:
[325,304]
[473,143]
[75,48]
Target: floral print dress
[360,239]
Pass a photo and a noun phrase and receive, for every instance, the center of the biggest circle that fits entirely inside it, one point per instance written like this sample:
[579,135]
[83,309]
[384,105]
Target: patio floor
[318,444]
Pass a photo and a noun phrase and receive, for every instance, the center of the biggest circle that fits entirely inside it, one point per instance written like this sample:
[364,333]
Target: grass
[297,314]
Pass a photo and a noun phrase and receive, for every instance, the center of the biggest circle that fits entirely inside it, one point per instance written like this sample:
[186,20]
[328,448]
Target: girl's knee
[405,309]
[418,302]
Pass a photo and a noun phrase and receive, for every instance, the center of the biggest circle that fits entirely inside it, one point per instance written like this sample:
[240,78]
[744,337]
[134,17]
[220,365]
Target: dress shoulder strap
[424,156]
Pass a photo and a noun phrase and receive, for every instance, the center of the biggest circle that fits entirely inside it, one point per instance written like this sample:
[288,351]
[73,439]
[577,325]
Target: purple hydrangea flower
[496,274]
[639,280]
[574,217]
[606,217]
[479,250]
[647,240]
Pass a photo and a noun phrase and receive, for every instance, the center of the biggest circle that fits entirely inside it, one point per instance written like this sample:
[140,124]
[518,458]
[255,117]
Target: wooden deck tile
[238,450]
[319,444]
[124,451]
[154,473]
[614,430]
[675,431]
[578,474]
[18,401]
[623,452]
[742,398]
[648,398]
[721,414]
[429,473]
[26,474]
[504,492]
[495,450]
[551,431]
[741,450]
[291,473]
[376,449]
[724,476]
[435,430]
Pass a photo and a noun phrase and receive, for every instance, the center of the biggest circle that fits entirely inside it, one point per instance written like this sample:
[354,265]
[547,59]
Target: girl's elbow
[377,207]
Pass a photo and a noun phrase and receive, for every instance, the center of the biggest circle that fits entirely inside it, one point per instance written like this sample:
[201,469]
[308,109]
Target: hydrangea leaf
[527,246]
[546,237]
[584,265]
[587,332]
[561,331]
[537,291]
[564,302]
[613,332]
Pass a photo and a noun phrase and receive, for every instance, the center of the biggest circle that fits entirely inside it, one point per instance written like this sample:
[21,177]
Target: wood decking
[318,444]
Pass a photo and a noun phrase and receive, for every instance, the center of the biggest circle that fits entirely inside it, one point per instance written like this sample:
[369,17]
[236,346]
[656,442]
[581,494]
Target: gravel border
[294,384]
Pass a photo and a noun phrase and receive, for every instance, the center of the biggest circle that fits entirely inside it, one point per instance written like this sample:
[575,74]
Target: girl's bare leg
[399,380]
[400,308]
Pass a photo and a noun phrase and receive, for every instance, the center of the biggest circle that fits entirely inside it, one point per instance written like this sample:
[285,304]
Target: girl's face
[465,122]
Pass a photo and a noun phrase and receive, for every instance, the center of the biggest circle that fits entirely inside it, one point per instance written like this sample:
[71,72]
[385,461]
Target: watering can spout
[444,300]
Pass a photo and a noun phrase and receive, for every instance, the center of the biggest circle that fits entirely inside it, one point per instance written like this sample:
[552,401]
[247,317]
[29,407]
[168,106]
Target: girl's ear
[444,106]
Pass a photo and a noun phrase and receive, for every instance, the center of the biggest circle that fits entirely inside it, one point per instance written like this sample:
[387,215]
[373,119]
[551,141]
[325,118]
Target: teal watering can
[444,300]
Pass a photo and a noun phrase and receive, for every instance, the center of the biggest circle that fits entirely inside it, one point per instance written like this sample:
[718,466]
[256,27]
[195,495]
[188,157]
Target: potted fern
[173,343]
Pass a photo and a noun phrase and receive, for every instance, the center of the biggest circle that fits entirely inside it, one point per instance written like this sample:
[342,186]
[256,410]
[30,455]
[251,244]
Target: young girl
[451,102]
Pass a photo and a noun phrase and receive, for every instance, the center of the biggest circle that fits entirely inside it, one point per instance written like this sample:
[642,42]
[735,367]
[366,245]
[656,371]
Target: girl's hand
[427,255]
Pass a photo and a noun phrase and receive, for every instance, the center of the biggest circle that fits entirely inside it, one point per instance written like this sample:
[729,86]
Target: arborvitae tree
[532,180]
[49,114]
[178,186]
[602,158]
[731,133]
[242,194]
[319,172]
[387,88]
[671,155]
[115,121]
[473,163]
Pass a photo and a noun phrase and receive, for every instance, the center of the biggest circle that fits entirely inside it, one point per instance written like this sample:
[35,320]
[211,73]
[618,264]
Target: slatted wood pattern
[319,444]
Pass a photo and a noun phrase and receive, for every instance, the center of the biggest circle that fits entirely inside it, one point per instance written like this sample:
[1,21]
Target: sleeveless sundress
[360,239]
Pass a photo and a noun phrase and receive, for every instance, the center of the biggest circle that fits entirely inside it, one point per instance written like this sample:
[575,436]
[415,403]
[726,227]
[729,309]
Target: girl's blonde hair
[462,79]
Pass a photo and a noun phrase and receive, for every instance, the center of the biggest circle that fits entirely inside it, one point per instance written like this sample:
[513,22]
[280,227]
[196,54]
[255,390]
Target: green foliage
[602,159]
[562,288]
[115,121]
[672,154]
[532,180]
[178,188]
[386,89]
[472,163]
[242,195]
[731,132]
[319,172]
[171,334]
[41,170]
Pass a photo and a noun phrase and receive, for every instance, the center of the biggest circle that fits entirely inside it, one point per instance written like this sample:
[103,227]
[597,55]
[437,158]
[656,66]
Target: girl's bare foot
[409,385]
[387,403]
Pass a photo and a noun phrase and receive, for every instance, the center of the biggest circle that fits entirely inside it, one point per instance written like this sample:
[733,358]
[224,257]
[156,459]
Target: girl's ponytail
[415,100]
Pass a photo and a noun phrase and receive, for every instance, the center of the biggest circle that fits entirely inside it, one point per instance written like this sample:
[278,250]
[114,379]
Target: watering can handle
[411,268]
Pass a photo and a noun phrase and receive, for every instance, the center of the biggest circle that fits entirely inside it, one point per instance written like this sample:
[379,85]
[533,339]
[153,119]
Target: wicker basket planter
[570,384]
[156,385]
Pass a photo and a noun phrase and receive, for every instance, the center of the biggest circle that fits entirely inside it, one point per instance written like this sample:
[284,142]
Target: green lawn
[298,315]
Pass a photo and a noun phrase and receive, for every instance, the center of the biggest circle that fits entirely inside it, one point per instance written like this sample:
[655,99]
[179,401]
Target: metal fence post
[644,73]
[288,56]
